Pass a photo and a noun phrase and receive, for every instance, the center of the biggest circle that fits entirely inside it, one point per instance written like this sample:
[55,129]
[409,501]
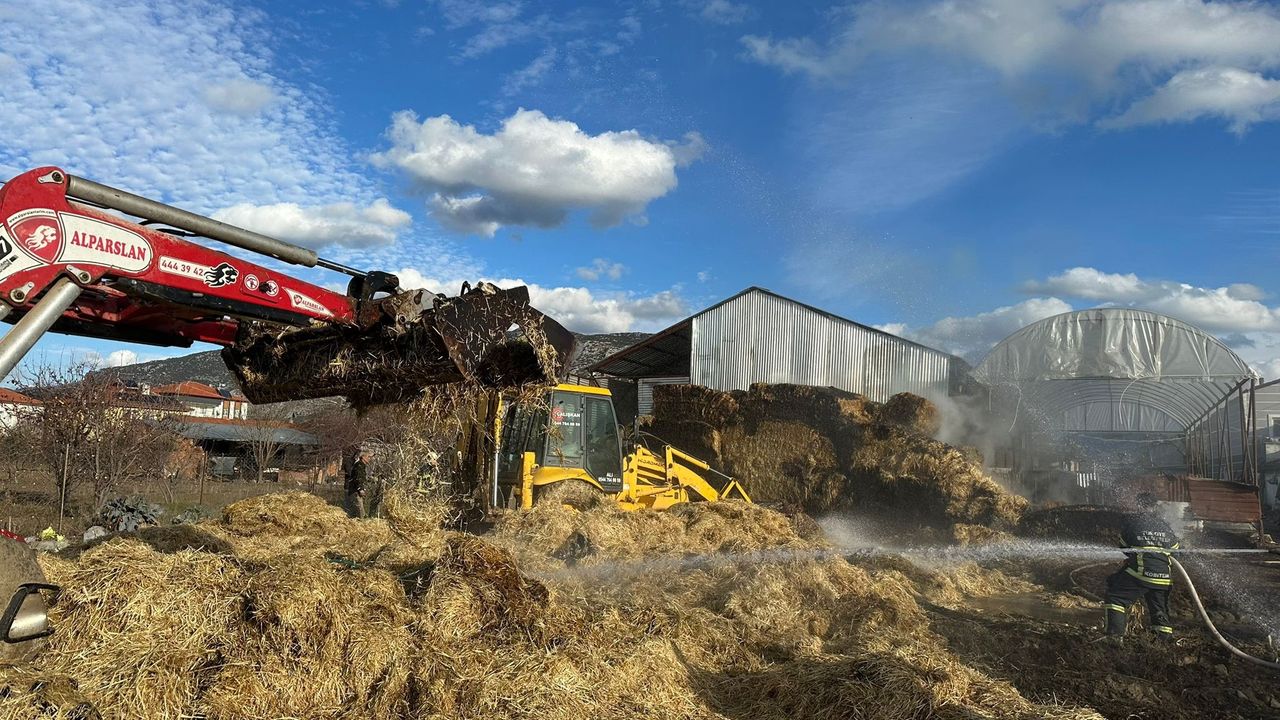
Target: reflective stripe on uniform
[1117,608]
[1147,578]
[1162,628]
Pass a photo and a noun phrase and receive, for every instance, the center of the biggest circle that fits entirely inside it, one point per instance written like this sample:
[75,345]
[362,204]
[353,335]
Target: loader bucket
[404,343]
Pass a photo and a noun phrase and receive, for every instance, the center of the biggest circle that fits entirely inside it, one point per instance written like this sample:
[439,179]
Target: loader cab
[573,435]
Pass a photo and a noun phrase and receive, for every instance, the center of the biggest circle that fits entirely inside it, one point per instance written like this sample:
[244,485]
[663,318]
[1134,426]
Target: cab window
[524,431]
[603,451]
[565,441]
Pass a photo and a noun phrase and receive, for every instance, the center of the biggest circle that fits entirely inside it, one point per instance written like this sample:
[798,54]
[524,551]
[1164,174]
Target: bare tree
[73,404]
[263,435]
[86,432]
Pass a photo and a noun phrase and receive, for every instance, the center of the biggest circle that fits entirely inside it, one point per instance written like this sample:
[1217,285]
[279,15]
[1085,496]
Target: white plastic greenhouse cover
[1113,369]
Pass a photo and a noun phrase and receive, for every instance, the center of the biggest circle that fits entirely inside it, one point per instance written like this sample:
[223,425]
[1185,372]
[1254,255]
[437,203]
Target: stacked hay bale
[823,449]
[767,624]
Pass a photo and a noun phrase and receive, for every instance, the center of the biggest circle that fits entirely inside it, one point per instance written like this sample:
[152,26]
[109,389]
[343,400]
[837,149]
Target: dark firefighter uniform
[1146,574]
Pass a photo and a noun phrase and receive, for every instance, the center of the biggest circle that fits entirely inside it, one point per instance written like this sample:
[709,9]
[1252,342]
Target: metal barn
[761,336]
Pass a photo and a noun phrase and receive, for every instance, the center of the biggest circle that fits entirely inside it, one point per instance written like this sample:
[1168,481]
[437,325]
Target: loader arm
[69,263]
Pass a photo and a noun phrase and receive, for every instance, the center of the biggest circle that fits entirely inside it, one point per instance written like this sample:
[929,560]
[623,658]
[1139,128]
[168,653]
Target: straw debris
[708,611]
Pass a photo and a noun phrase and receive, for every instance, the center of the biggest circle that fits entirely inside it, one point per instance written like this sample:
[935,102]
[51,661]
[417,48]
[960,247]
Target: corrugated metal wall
[762,338]
[644,399]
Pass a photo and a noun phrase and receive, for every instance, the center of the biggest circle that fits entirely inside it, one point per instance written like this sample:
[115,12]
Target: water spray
[1204,615]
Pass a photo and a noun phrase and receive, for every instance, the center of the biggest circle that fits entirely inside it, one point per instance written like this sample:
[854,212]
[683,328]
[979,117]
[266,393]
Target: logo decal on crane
[223,274]
[39,233]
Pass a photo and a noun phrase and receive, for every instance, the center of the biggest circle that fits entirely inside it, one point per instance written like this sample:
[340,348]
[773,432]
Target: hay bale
[920,480]
[785,462]
[694,404]
[912,412]
[696,438]
[819,407]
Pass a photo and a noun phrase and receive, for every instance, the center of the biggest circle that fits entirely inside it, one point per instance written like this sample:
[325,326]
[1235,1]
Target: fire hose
[1204,615]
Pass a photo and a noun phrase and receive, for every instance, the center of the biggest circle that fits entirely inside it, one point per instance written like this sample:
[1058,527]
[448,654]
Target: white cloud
[531,74]
[336,224]
[240,96]
[601,268]
[724,12]
[494,26]
[1090,284]
[972,336]
[118,358]
[1234,308]
[791,55]
[1066,53]
[1238,96]
[121,92]
[578,308]
[533,171]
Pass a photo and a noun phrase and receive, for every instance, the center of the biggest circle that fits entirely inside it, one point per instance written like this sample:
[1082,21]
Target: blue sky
[948,171]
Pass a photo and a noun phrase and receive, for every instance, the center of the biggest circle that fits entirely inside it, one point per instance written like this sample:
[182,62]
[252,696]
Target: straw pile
[822,449]
[713,611]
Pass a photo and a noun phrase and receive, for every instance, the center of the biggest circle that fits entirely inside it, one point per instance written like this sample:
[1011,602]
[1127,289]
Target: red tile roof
[11,397]
[189,388]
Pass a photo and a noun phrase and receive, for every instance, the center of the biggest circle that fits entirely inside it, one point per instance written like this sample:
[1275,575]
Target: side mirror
[26,618]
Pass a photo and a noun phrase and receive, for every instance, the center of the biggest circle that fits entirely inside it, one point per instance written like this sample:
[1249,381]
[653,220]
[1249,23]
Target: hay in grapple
[402,344]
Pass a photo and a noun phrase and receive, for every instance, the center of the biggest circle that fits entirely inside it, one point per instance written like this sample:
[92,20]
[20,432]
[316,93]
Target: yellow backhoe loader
[568,449]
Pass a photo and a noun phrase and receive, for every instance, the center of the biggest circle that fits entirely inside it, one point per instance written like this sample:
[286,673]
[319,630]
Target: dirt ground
[1050,660]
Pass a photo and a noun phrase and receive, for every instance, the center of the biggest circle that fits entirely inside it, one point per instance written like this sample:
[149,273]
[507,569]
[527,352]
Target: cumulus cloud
[1238,96]
[578,308]
[1235,308]
[119,358]
[319,226]
[240,96]
[972,336]
[1185,58]
[533,171]
[601,268]
[204,125]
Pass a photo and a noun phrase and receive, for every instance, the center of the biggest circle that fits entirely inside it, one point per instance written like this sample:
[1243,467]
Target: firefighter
[357,479]
[1148,541]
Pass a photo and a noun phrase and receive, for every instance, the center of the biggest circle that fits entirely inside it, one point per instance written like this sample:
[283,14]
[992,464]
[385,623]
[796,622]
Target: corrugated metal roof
[799,344]
[243,432]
